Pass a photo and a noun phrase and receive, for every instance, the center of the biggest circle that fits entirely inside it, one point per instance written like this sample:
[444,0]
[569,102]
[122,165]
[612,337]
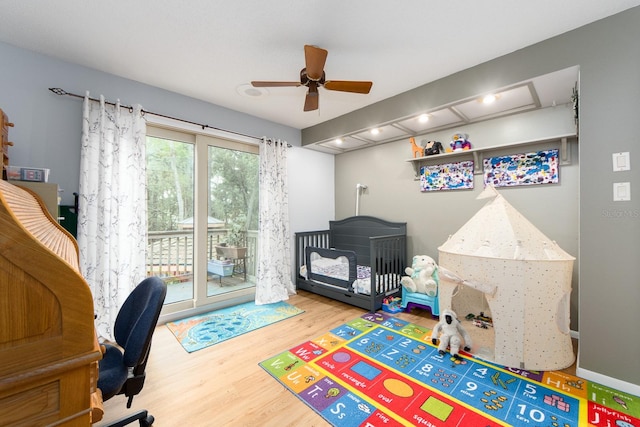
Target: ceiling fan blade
[274,84]
[311,100]
[315,58]
[348,86]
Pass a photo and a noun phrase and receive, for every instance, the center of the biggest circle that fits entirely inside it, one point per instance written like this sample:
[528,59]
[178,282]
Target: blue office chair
[123,372]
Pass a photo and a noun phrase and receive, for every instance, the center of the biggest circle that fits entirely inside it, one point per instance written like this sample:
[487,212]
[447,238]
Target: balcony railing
[170,253]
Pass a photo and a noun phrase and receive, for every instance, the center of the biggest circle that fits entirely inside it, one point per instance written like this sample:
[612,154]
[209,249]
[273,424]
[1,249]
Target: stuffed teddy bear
[422,276]
[459,142]
[450,332]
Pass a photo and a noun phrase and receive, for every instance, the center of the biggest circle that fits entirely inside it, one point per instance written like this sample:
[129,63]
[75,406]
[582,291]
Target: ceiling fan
[313,76]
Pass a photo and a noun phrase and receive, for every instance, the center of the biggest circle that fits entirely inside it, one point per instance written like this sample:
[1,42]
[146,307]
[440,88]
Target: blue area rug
[204,330]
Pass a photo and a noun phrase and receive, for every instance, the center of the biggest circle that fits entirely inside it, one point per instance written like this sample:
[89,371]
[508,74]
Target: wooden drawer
[36,406]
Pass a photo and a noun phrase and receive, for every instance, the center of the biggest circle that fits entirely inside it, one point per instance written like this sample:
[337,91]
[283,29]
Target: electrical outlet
[621,191]
[621,162]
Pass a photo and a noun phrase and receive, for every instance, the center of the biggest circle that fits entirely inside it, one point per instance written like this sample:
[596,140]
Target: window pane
[233,220]
[170,204]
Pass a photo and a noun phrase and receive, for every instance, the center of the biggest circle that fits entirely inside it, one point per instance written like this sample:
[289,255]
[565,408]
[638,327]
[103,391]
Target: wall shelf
[478,154]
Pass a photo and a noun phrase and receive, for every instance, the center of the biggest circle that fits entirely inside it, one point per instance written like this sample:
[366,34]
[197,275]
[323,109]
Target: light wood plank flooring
[223,385]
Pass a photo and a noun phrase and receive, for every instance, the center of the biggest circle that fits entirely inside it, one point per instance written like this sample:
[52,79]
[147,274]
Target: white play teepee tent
[525,277]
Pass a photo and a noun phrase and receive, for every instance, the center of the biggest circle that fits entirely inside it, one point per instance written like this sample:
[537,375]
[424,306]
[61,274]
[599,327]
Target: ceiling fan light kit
[313,76]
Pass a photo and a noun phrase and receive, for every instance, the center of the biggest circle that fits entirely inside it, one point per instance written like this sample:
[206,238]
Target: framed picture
[540,167]
[447,176]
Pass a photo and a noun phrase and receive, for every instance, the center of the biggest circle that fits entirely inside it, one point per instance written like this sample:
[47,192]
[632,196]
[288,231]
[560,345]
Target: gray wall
[608,54]
[433,216]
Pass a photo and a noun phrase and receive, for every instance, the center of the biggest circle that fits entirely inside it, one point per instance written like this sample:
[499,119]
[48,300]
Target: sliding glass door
[170,207]
[203,207]
[233,203]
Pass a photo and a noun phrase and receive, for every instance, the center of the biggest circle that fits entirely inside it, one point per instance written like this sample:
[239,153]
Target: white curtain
[273,282]
[112,217]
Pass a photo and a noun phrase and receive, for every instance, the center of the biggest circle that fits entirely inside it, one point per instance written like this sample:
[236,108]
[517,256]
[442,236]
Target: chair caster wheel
[147,422]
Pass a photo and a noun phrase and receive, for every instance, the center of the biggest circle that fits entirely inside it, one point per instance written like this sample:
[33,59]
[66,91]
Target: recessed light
[488,99]
[375,131]
[423,118]
[338,141]
[251,92]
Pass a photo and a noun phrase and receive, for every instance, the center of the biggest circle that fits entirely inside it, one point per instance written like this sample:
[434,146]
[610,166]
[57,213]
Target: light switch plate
[621,191]
[621,162]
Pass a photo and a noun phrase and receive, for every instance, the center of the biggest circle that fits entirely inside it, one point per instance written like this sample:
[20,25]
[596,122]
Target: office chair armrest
[133,386]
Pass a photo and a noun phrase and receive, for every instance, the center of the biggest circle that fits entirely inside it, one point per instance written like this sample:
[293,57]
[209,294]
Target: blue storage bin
[221,268]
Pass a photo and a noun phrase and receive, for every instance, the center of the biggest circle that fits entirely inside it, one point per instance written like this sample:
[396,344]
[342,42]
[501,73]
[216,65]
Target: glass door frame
[201,209]
[202,139]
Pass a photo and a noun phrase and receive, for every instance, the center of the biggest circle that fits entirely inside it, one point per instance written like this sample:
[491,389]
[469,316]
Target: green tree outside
[233,181]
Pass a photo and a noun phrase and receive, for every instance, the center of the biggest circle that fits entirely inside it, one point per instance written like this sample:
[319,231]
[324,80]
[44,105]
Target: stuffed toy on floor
[450,332]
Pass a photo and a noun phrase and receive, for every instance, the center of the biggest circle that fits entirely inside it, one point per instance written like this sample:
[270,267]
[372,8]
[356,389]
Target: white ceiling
[208,49]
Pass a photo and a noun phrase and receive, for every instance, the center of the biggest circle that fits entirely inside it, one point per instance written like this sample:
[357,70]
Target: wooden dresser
[48,348]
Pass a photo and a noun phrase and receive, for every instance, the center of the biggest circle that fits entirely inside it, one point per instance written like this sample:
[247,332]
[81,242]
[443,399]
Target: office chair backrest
[123,372]
[137,319]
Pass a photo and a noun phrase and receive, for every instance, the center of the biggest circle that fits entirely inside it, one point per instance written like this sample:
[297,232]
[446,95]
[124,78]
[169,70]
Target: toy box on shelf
[21,173]
[392,305]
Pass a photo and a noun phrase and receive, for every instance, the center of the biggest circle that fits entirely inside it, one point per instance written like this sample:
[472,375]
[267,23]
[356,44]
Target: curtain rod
[59,91]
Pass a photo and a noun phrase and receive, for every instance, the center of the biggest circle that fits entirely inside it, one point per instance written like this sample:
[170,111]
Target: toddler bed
[359,260]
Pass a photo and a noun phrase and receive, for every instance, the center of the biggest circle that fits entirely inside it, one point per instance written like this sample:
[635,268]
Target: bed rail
[388,255]
[318,239]
[333,254]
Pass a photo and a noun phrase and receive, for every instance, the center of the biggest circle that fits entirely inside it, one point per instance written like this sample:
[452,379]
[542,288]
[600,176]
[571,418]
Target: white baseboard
[596,377]
[605,380]
[608,381]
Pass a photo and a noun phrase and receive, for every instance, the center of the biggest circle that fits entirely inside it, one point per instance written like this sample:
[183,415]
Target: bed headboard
[354,234]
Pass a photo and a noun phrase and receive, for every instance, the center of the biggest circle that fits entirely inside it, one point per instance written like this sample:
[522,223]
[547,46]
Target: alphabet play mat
[378,370]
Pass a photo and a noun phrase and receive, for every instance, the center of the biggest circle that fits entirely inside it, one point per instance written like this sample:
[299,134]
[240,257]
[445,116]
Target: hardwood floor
[223,385]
